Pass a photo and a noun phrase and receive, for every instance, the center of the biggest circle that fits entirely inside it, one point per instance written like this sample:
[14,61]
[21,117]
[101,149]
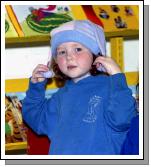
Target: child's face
[73,59]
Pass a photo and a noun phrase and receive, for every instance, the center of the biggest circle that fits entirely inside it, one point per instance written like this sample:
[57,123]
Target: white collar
[80,78]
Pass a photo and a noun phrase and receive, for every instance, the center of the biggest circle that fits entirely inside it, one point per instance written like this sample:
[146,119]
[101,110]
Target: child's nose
[70,55]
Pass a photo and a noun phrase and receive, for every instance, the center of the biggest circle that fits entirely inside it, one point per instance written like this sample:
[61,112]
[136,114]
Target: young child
[91,114]
[131,143]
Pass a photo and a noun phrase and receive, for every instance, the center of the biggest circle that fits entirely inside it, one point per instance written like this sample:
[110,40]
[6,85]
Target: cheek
[60,61]
[86,61]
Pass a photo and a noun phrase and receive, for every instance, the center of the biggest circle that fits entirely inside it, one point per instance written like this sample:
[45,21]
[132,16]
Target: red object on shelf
[36,144]
[91,15]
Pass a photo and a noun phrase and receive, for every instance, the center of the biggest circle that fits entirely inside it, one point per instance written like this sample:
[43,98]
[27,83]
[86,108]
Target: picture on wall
[38,19]
[9,28]
[15,127]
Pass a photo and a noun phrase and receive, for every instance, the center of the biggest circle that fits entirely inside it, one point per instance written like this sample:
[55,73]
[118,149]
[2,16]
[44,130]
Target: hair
[59,75]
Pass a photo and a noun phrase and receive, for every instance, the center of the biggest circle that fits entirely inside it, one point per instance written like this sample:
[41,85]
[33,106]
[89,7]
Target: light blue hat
[82,31]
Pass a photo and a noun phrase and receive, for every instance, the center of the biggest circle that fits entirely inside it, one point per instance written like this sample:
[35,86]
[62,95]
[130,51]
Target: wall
[20,62]
[131,55]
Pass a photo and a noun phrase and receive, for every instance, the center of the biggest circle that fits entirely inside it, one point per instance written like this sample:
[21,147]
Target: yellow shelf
[132,78]
[117,51]
[127,34]
[45,39]
[27,41]
[16,146]
[21,85]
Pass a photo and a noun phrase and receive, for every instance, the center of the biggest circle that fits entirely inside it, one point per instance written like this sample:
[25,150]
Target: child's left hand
[109,64]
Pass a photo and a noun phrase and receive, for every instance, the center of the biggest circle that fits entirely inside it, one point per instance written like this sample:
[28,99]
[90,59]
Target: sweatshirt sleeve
[121,106]
[38,112]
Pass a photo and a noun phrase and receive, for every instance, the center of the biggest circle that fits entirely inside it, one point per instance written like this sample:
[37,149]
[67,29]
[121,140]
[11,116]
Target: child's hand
[109,64]
[37,75]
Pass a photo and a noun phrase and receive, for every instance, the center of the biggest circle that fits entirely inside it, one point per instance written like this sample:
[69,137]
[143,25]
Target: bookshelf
[15,146]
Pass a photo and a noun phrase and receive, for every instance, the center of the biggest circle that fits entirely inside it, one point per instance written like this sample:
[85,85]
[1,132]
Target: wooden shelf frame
[45,39]
[16,146]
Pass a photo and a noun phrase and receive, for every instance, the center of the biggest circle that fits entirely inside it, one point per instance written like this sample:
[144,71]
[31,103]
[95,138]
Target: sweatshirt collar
[81,81]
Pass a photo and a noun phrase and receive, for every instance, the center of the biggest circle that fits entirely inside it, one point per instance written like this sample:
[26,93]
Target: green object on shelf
[46,24]
[7,129]
[6,26]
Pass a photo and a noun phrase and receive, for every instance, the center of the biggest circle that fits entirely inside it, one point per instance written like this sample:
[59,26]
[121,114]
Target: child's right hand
[108,63]
[37,74]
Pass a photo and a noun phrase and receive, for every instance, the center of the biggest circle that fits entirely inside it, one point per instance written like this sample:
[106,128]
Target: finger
[98,65]
[38,69]
[38,75]
[98,61]
[42,66]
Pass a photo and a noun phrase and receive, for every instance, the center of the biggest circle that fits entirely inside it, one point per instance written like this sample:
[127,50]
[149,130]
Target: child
[90,114]
[131,143]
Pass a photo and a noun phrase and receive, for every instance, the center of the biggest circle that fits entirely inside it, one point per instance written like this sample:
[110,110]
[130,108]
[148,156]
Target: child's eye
[78,49]
[61,52]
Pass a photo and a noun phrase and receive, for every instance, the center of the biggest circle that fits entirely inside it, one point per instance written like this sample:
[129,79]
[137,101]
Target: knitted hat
[82,31]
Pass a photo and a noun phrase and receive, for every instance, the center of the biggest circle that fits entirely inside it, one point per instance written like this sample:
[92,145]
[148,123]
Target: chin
[76,75]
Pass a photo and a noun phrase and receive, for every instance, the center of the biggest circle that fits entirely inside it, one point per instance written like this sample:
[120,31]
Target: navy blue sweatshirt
[91,116]
[131,143]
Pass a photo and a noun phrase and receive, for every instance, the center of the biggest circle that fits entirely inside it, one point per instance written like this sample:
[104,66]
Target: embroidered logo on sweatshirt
[91,115]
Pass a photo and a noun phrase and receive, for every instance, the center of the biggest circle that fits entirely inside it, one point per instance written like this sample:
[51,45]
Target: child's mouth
[71,67]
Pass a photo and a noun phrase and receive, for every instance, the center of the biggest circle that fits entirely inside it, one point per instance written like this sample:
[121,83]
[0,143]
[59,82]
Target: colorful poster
[117,17]
[15,128]
[9,28]
[38,19]
[113,18]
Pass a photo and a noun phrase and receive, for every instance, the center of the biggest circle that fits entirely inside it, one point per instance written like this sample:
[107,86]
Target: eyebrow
[77,45]
[60,48]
